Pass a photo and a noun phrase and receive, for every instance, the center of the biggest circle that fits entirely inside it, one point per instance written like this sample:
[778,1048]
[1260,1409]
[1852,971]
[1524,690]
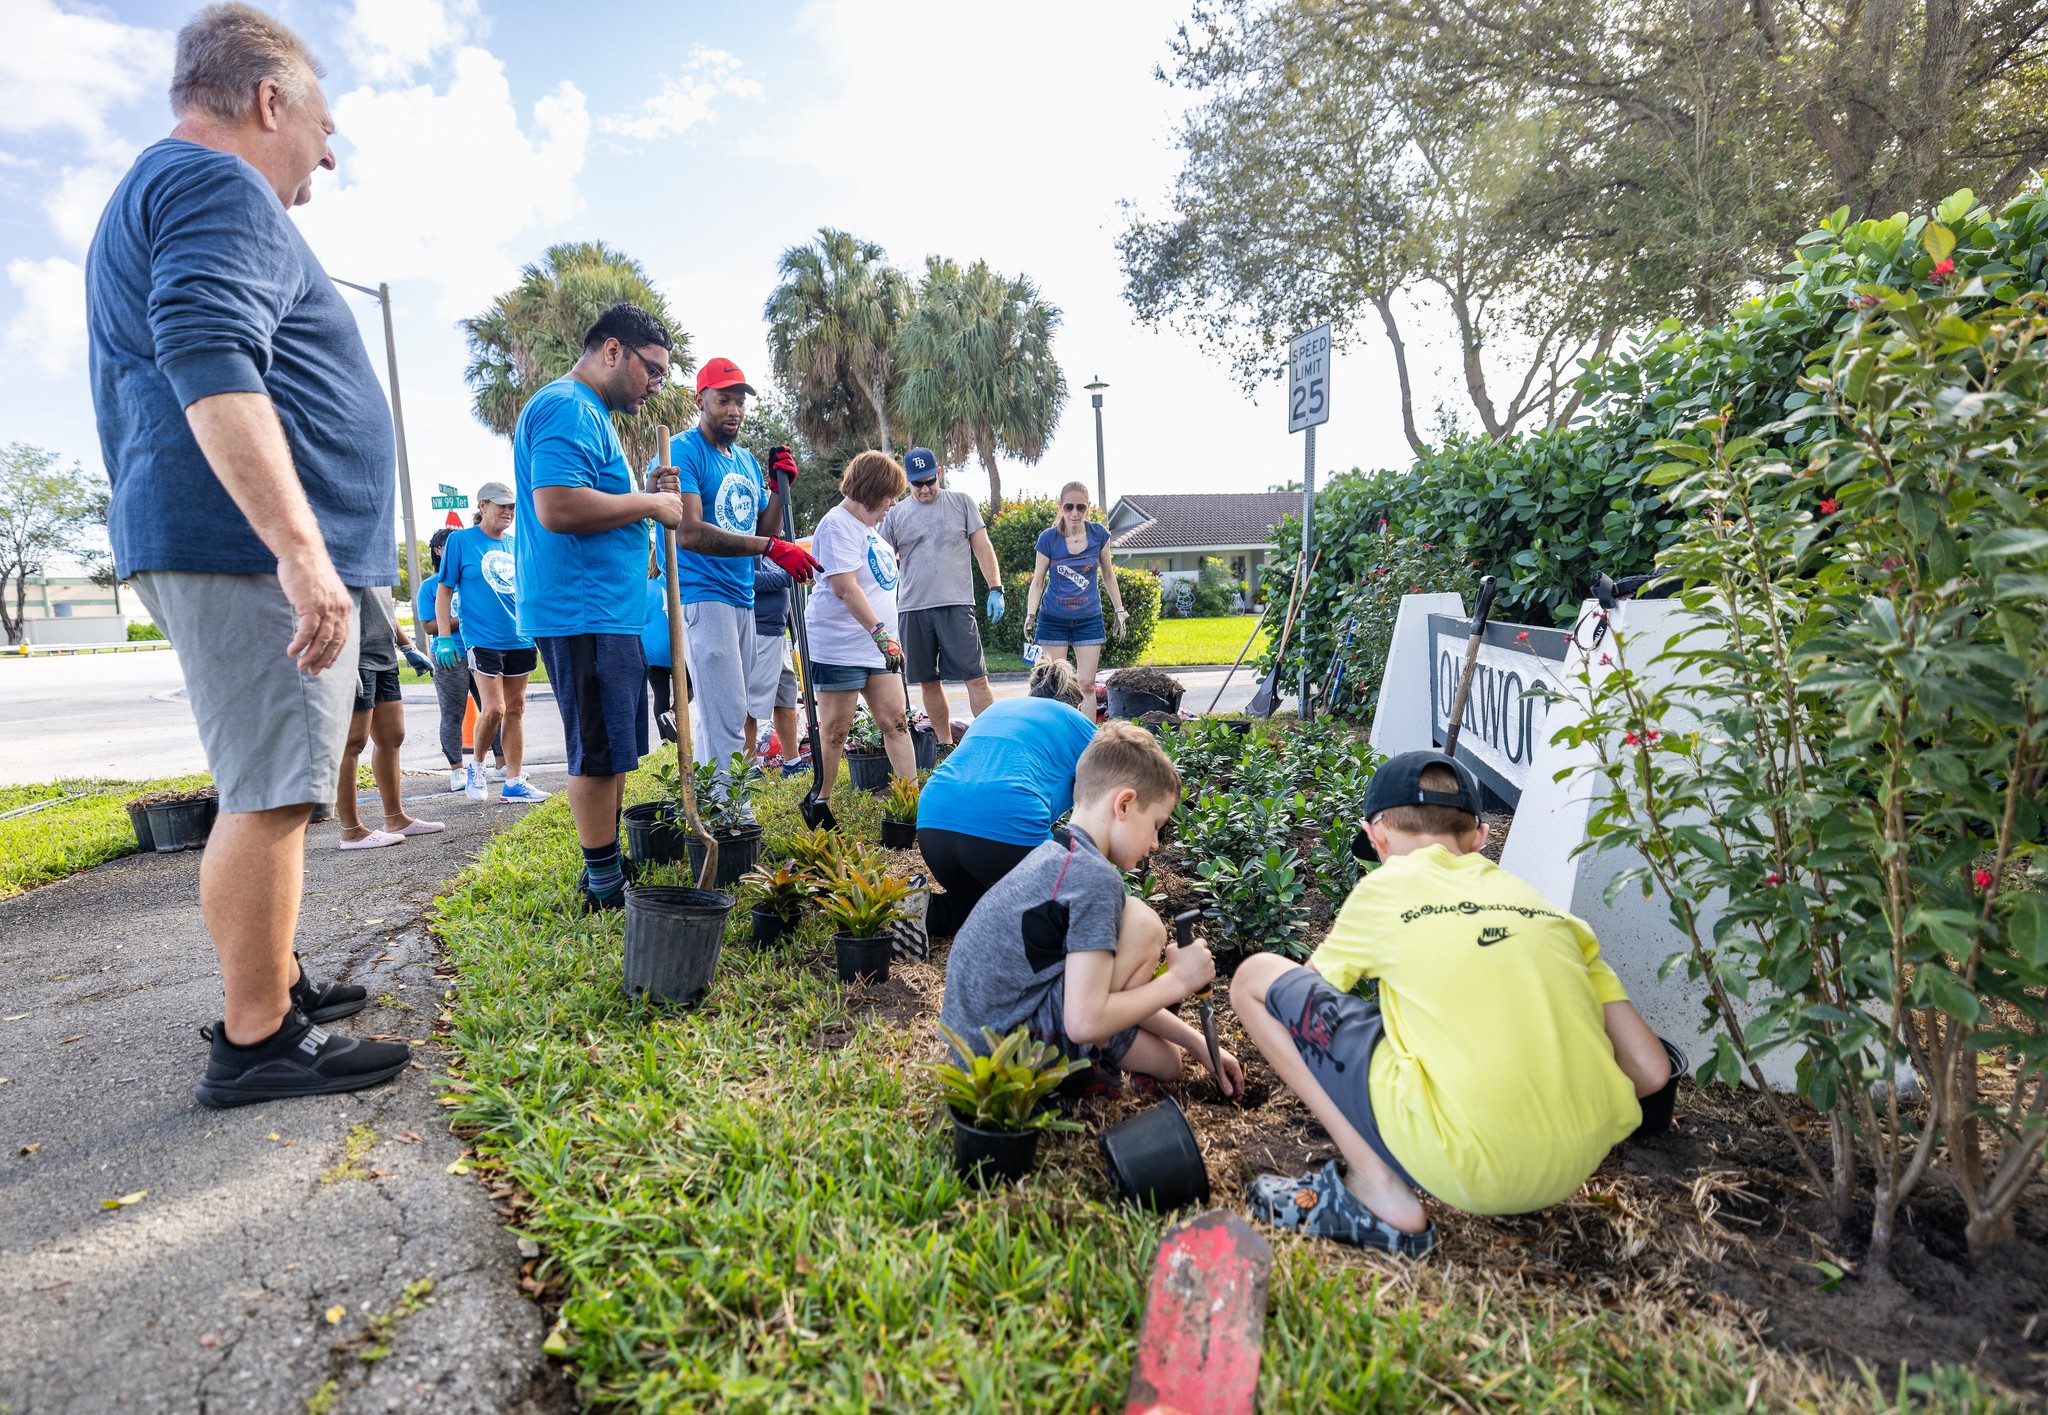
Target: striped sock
[607,874]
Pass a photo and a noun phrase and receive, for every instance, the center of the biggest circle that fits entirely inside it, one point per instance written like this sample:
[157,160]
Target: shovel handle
[686,751]
[1482,609]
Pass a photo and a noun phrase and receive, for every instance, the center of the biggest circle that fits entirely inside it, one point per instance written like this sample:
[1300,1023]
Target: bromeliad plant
[1002,1090]
[900,802]
[861,900]
[780,889]
[1863,786]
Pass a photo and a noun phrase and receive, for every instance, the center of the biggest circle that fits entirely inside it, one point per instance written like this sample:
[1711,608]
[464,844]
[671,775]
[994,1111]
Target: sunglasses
[657,374]
[1073,506]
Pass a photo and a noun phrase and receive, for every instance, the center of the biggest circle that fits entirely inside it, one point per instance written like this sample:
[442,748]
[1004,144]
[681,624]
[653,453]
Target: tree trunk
[878,394]
[13,624]
[1475,369]
[1384,302]
[985,448]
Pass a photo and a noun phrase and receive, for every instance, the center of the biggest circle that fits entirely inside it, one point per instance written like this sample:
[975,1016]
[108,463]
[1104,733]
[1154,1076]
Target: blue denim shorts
[842,677]
[1059,629]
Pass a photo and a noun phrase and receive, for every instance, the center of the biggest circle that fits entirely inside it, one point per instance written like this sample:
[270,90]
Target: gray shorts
[765,672]
[1335,1033]
[273,735]
[941,643]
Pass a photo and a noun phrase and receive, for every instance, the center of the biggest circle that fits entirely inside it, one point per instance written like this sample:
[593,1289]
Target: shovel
[1481,608]
[816,811]
[1205,1320]
[686,754]
[1268,697]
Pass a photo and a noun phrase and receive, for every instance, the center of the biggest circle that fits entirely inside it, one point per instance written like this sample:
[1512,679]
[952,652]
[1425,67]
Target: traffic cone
[469,726]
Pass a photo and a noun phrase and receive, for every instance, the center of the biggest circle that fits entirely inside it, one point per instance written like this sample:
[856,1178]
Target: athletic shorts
[273,735]
[1058,630]
[785,688]
[600,687]
[843,677]
[1336,1034]
[503,663]
[374,686]
[1049,1024]
[765,668]
[943,643]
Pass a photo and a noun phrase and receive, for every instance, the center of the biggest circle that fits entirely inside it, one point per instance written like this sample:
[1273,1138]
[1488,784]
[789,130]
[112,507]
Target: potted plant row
[174,820]
[775,896]
[862,900]
[867,760]
[657,831]
[996,1101]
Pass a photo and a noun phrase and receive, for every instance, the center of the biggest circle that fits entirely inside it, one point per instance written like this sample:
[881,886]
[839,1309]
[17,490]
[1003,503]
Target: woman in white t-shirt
[852,618]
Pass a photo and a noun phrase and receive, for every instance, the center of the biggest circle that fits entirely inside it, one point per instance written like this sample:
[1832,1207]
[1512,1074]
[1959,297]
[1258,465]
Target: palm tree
[832,326]
[978,371]
[533,334]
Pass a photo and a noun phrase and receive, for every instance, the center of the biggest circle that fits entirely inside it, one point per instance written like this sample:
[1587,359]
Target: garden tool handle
[1482,609]
[679,671]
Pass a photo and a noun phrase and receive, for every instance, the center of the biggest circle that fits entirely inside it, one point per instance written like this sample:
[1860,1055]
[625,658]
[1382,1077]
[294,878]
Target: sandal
[1319,1206]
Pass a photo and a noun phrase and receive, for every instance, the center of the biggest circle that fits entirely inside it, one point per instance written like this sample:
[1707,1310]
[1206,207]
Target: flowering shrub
[1855,763]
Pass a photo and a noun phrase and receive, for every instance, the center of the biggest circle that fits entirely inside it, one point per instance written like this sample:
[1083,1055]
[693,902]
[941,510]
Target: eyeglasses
[659,374]
[1073,506]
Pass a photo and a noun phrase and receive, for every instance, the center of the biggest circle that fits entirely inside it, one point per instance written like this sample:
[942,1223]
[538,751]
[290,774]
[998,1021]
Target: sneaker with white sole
[519,789]
[458,778]
[473,782]
[301,1059]
[496,773]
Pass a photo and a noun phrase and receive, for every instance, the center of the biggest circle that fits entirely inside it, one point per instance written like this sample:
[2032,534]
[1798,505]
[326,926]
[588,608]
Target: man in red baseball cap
[729,510]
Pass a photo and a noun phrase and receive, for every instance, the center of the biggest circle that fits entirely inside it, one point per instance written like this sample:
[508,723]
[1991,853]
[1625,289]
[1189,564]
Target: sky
[702,140]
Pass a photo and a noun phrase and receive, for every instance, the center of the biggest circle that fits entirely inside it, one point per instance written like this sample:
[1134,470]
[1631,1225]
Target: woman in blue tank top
[1067,580]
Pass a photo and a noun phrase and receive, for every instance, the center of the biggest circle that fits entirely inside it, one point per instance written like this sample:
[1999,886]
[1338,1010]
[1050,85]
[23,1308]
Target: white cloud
[686,101]
[49,329]
[387,40]
[75,203]
[438,185]
[64,72]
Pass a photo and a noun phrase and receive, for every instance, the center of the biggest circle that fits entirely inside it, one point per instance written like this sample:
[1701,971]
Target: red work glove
[781,462]
[794,559]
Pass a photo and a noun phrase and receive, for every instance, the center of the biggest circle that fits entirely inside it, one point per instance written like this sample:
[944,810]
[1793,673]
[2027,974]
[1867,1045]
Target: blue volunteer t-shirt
[423,607]
[732,491]
[1012,775]
[484,574]
[570,584]
[654,636]
[1070,587]
[198,284]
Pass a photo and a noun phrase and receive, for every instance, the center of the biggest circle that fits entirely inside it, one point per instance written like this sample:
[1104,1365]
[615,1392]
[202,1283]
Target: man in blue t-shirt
[729,509]
[479,563]
[251,457]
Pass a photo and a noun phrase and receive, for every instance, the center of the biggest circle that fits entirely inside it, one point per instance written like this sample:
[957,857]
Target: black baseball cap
[1398,782]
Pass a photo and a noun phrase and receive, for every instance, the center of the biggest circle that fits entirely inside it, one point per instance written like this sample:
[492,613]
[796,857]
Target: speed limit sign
[1308,379]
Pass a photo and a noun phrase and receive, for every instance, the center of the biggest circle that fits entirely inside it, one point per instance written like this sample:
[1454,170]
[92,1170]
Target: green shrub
[1014,534]
[144,634]
[1209,597]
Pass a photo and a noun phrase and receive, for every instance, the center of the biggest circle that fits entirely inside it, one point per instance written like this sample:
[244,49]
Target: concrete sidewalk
[212,1293]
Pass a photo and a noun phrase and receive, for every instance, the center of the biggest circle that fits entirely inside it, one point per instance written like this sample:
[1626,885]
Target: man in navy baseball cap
[938,535]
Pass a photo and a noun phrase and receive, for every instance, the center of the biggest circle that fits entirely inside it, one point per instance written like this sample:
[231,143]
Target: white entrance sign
[1503,722]
[1308,379]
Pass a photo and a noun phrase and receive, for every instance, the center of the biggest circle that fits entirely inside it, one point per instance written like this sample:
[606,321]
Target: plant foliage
[1002,1088]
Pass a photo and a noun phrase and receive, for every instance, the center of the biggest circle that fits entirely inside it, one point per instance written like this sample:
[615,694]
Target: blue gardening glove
[445,652]
[995,606]
[418,661]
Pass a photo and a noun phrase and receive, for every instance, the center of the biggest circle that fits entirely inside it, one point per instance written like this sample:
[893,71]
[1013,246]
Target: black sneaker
[327,1002]
[301,1059]
[592,903]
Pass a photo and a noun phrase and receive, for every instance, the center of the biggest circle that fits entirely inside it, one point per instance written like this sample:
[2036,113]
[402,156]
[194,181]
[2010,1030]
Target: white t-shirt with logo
[842,546]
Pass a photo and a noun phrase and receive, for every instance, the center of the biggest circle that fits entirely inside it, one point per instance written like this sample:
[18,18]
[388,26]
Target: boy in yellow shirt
[1501,1061]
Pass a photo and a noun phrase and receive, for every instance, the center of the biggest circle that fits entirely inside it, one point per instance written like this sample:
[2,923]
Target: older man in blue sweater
[251,458]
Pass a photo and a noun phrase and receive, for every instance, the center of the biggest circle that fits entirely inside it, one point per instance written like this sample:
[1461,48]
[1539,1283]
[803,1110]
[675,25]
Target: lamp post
[412,540]
[1101,481]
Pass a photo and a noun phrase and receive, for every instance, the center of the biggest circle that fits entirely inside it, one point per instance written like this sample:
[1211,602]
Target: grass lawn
[61,840]
[407,676]
[1177,641]
[751,1206]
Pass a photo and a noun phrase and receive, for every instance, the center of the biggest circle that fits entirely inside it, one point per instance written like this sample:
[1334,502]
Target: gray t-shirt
[994,977]
[932,545]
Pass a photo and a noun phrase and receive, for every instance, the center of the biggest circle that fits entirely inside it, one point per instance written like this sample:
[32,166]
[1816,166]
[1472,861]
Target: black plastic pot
[769,926]
[926,742]
[869,771]
[993,1155]
[1127,702]
[899,835]
[181,825]
[1153,1159]
[656,833]
[673,937]
[138,816]
[737,853]
[1659,1105]
[1242,726]
[862,960]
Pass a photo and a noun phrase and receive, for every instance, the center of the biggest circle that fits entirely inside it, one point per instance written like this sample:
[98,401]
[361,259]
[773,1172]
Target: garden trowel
[686,754]
[1184,935]
[1205,1320]
[816,811]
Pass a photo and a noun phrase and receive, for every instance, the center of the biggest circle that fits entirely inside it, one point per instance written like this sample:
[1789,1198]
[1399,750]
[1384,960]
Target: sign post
[1308,408]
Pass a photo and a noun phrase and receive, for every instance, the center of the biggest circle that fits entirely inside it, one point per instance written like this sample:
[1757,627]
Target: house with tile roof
[1171,535]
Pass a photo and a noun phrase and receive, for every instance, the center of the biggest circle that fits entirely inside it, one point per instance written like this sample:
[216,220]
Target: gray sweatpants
[721,649]
[451,687]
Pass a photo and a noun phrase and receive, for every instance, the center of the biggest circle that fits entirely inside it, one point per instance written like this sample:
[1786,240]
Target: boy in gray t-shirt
[1057,947]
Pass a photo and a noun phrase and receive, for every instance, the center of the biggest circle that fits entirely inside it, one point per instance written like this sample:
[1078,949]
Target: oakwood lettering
[1497,711]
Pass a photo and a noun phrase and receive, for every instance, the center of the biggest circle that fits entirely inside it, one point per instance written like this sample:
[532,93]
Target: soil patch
[1147,680]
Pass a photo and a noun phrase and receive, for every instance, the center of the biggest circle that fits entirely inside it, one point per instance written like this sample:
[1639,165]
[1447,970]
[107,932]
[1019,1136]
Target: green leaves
[1000,1088]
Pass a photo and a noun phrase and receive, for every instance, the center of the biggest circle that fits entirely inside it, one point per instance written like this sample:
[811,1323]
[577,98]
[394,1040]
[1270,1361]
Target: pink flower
[1523,637]
[1773,878]
[1631,739]
[1983,879]
[1654,735]
[1829,506]
[1606,659]
[1415,589]
[1943,268]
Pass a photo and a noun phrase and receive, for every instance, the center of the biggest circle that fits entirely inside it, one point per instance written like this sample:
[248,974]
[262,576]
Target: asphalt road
[212,1292]
[125,716]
